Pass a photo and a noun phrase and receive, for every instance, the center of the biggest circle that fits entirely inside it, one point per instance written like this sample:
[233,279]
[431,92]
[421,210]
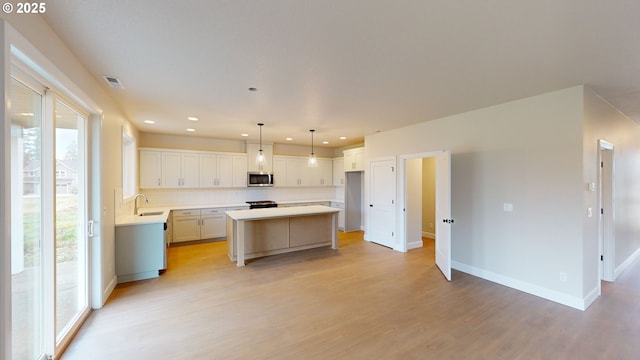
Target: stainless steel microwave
[259,179]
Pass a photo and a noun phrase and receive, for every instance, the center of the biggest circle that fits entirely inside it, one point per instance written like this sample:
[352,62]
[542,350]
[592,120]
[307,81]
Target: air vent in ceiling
[114,82]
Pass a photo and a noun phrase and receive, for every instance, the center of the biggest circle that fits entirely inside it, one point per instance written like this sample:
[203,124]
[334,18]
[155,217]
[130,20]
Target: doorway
[411,220]
[606,200]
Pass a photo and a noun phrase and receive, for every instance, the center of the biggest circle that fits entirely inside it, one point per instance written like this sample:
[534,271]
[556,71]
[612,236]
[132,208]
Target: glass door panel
[27,284]
[70,219]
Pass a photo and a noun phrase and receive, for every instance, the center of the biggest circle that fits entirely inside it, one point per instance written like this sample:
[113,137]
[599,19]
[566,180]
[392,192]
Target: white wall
[50,53]
[527,153]
[602,121]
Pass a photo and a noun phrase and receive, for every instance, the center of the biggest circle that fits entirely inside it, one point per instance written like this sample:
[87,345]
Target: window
[128,166]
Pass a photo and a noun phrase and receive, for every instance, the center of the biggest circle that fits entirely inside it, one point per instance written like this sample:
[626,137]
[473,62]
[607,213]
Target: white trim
[401,224]
[592,296]
[545,293]
[620,269]
[414,245]
[108,290]
[428,235]
[5,196]
[606,245]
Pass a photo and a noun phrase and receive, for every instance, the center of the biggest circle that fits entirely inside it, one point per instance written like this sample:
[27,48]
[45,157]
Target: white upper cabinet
[354,159]
[338,172]
[171,169]
[208,170]
[295,171]
[323,174]
[150,169]
[239,175]
[180,170]
[216,170]
[252,153]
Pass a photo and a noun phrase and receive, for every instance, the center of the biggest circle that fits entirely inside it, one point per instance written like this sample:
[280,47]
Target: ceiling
[345,68]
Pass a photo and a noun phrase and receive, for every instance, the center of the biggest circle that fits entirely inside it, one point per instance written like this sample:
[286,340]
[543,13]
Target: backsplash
[196,197]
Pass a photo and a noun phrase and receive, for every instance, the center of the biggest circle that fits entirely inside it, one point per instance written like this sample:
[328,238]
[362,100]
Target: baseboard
[552,295]
[428,235]
[620,269]
[414,245]
[592,296]
[109,289]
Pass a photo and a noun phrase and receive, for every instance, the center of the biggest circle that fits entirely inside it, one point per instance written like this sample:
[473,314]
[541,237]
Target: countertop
[268,213]
[127,220]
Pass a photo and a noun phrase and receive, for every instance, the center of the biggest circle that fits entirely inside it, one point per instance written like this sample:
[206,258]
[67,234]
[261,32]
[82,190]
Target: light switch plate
[508,207]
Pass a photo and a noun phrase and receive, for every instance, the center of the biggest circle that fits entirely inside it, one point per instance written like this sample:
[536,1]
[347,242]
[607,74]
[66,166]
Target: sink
[151,213]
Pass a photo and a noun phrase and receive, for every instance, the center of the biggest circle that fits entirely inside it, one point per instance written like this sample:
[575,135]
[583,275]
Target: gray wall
[527,153]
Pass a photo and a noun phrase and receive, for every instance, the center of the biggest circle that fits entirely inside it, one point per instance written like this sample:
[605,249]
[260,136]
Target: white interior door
[382,215]
[443,213]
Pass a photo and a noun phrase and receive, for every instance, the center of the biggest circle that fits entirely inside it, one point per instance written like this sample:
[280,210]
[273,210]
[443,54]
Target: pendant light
[260,160]
[313,162]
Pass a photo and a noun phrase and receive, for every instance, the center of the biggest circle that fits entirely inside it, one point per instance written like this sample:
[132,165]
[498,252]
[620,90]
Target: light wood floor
[362,301]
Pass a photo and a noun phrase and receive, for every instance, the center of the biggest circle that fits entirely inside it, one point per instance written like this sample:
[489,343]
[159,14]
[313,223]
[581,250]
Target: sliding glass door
[27,204]
[70,219]
[49,242]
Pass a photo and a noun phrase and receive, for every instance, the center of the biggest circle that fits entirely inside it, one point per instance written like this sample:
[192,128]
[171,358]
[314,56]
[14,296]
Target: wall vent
[114,82]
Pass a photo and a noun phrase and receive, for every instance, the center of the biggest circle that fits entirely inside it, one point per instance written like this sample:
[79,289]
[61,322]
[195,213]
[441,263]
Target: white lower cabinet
[199,224]
[186,225]
[213,223]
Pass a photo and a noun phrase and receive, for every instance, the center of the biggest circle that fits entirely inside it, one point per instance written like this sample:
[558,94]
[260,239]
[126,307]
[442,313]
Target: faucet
[135,202]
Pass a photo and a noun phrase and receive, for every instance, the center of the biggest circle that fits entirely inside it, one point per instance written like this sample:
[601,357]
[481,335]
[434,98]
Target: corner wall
[603,121]
[527,153]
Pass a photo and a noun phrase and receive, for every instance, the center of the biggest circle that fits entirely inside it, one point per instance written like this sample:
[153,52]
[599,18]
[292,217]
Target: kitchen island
[261,232]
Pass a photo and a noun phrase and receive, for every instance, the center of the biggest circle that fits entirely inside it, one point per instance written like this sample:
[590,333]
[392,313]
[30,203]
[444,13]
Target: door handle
[370,205]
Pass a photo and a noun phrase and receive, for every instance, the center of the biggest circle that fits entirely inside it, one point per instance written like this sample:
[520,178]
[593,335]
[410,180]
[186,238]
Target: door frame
[402,199]
[402,195]
[606,200]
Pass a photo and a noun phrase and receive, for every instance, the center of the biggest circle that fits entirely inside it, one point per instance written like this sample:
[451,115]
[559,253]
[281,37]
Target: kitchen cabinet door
[186,228]
[213,224]
[292,178]
[279,171]
[304,171]
[171,176]
[190,170]
[150,169]
[323,174]
[338,172]
[354,160]
[239,171]
[208,170]
[224,176]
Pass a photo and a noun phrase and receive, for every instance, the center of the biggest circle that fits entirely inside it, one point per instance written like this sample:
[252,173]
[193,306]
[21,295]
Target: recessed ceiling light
[149,122]
[325,142]
[191,129]
[343,138]
[244,135]
[192,118]
[289,139]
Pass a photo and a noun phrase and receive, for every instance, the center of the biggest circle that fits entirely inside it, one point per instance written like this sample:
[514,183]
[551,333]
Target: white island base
[261,232]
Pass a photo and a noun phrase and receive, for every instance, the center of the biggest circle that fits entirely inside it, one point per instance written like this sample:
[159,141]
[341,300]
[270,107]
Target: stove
[261,204]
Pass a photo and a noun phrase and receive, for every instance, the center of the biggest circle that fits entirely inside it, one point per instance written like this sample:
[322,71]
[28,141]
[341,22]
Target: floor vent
[114,82]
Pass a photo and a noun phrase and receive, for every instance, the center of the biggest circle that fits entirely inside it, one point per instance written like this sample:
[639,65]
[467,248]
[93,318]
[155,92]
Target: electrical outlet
[563,277]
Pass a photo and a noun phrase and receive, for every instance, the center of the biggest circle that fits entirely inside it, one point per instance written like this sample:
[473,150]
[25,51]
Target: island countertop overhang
[270,213]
